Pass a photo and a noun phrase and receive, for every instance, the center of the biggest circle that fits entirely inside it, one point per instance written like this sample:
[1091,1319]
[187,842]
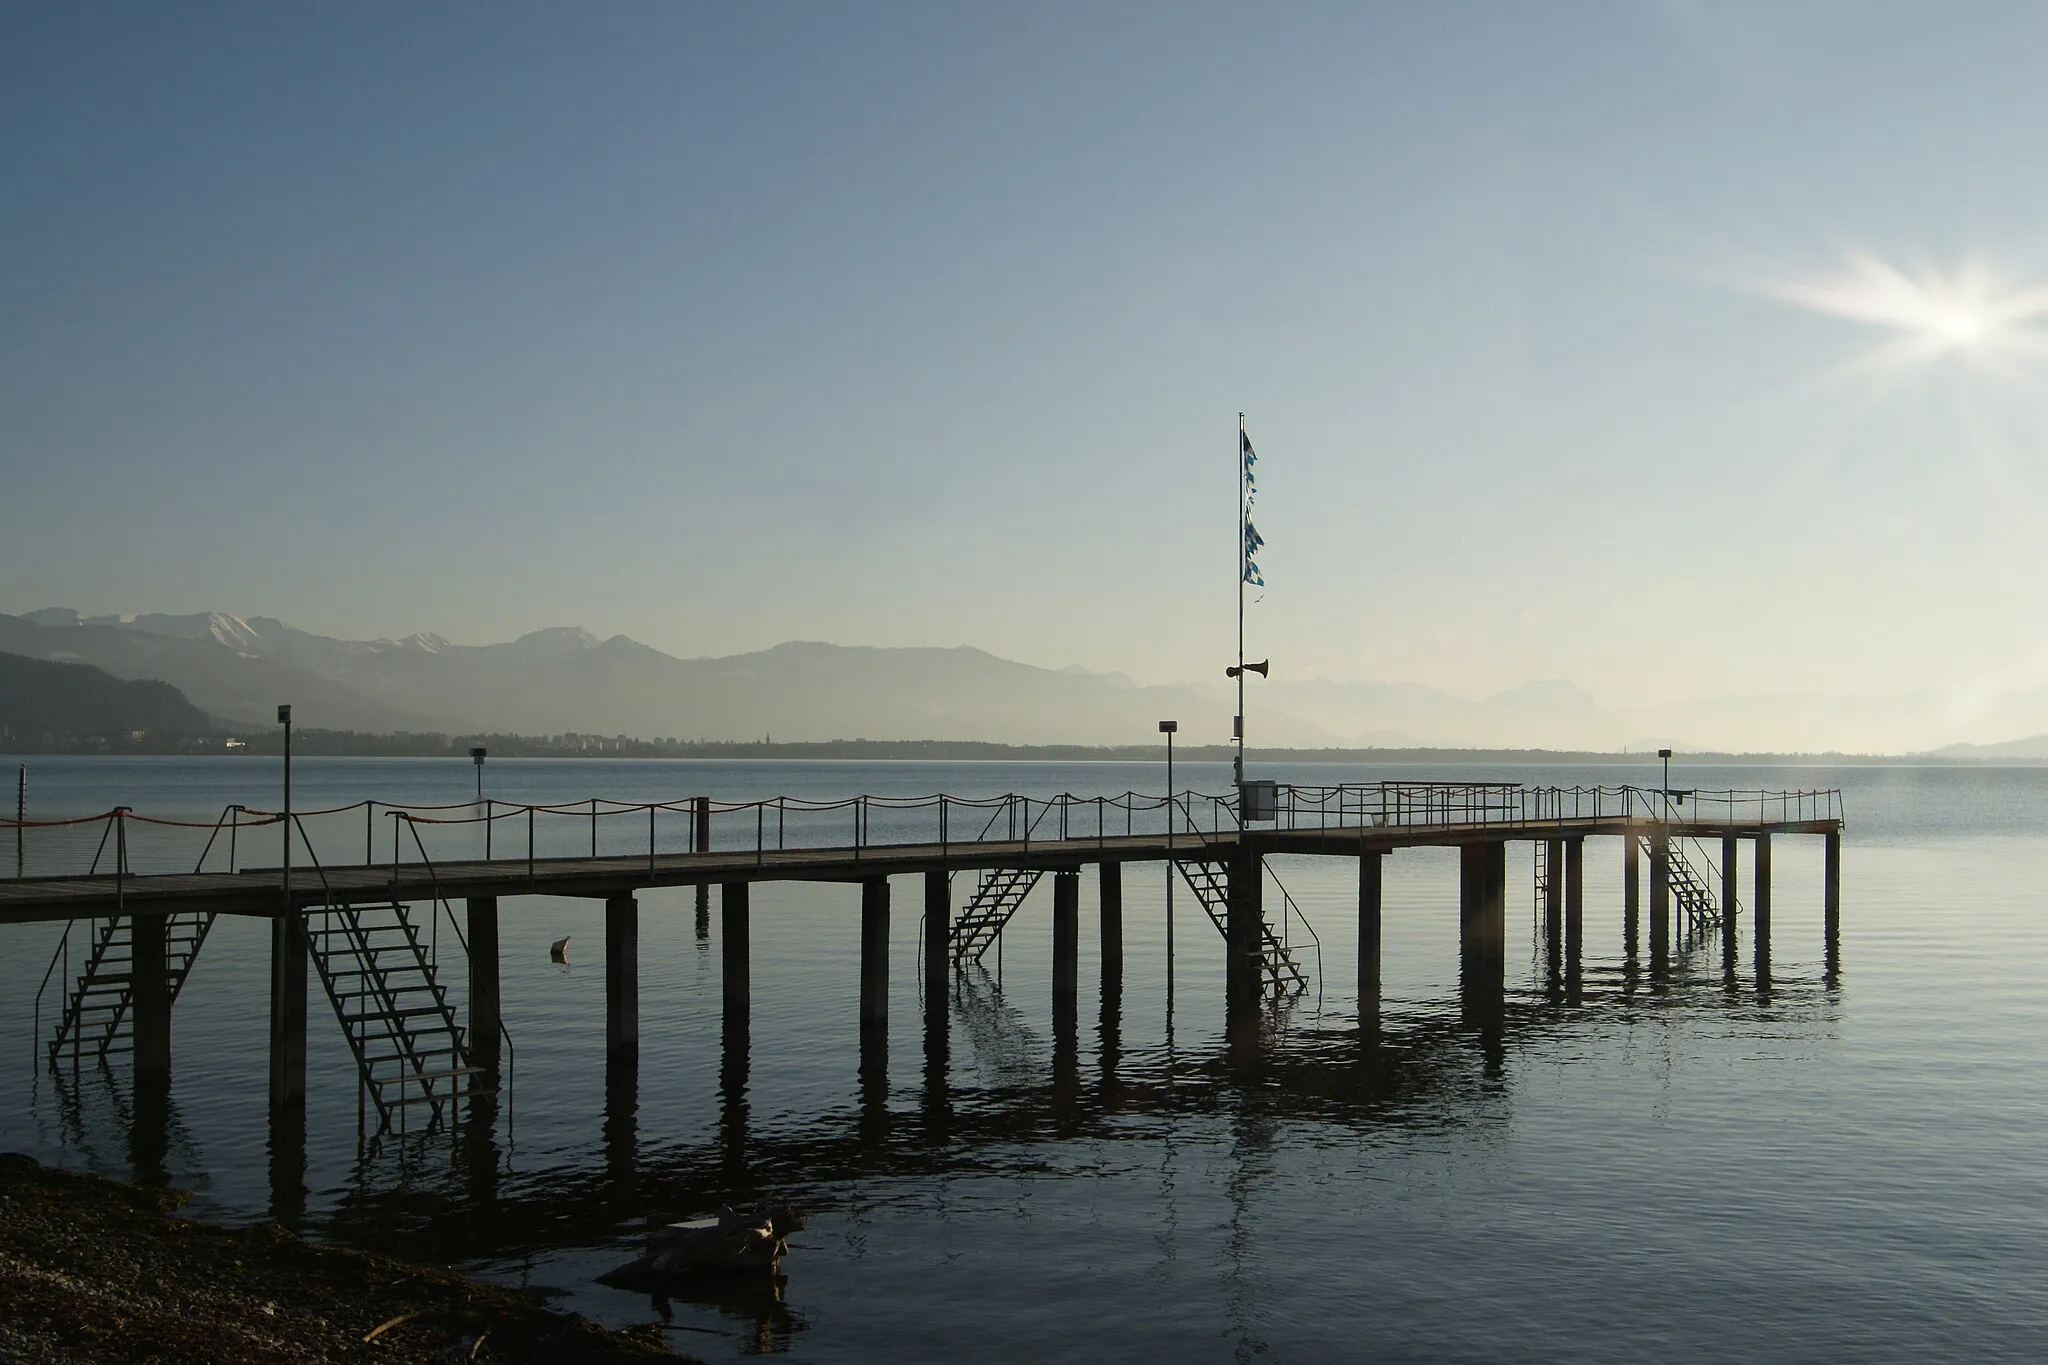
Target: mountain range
[48,704]
[563,679]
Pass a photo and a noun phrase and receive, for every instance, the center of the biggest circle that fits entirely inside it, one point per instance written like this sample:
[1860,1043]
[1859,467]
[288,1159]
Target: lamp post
[476,756]
[1665,754]
[1167,728]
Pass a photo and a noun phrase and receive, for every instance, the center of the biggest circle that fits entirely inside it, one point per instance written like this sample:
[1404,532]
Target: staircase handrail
[1289,906]
[63,953]
[63,949]
[442,907]
[234,824]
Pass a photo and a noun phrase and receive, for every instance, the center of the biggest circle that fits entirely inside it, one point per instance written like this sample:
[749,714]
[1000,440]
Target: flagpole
[1238,777]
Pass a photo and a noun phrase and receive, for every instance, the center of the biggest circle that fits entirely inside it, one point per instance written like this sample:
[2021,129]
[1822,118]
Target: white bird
[559,950]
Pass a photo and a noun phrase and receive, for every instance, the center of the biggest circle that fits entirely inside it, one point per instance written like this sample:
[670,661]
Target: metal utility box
[1258,801]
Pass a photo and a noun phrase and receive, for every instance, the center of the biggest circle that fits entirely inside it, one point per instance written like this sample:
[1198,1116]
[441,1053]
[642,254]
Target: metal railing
[499,832]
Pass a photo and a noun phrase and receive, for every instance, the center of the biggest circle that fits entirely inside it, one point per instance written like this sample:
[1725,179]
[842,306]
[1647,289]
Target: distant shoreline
[353,744]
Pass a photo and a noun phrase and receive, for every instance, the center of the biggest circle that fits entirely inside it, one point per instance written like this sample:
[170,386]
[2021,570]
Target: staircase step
[388,990]
[396,1014]
[413,1078]
[435,1100]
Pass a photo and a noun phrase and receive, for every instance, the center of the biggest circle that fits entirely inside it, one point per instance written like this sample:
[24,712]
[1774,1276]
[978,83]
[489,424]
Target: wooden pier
[355,922]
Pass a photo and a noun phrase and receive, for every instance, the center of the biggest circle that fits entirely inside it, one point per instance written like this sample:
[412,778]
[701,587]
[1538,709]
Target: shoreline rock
[95,1270]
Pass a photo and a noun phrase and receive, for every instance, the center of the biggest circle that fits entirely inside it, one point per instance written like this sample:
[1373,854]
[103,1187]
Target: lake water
[1697,1168]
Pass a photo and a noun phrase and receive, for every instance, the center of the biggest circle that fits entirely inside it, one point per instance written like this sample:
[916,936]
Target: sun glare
[1966,313]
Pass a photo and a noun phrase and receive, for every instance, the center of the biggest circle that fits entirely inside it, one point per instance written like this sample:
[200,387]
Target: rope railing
[499,831]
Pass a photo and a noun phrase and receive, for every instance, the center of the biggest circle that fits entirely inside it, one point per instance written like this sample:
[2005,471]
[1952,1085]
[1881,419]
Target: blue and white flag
[1251,539]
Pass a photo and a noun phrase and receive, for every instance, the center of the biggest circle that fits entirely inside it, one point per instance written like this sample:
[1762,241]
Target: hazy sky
[930,325]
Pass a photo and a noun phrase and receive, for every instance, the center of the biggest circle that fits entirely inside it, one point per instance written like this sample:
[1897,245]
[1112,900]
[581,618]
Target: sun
[1958,328]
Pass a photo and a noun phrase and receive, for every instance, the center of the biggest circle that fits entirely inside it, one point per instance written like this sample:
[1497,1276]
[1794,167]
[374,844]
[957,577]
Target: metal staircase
[1002,890]
[96,1017]
[1211,885]
[393,1010]
[1542,872]
[1691,892]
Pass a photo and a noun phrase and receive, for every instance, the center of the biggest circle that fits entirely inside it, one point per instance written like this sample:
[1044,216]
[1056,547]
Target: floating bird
[558,951]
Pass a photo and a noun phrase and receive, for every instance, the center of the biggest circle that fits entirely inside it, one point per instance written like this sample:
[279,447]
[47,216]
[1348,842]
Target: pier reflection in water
[1342,1076]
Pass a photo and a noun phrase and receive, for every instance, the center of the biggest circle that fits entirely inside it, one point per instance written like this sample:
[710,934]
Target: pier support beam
[622,978]
[1243,947]
[1660,901]
[735,932]
[1483,924]
[1731,854]
[1574,914]
[1631,892]
[938,1001]
[1831,904]
[874,1008]
[150,999]
[874,955]
[1066,939]
[1763,910]
[1066,993]
[486,1010]
[1111,896]
[287,1023]
[938,942]
[1371,890]
[700,842]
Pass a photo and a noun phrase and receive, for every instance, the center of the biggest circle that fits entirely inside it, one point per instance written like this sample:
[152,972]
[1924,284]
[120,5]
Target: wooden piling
[622,977]
[874,1008]
[1574,911]
[1731,851]
[874,954]
[1066,938]
[1831,903]
[486,1016]
[1243,948]
[735,947]
[1631,891]
[1482,900]
[1763,909]
[1660,901]
[150,1000]
[1111,895]
[938,985]
[1371,892]
[700,842]
[938,938]
[1483,927]
[288,957]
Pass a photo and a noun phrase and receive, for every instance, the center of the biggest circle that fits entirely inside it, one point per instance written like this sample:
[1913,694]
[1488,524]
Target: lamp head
[284,715]
[1663,753]
[477,755]
[1167,727]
